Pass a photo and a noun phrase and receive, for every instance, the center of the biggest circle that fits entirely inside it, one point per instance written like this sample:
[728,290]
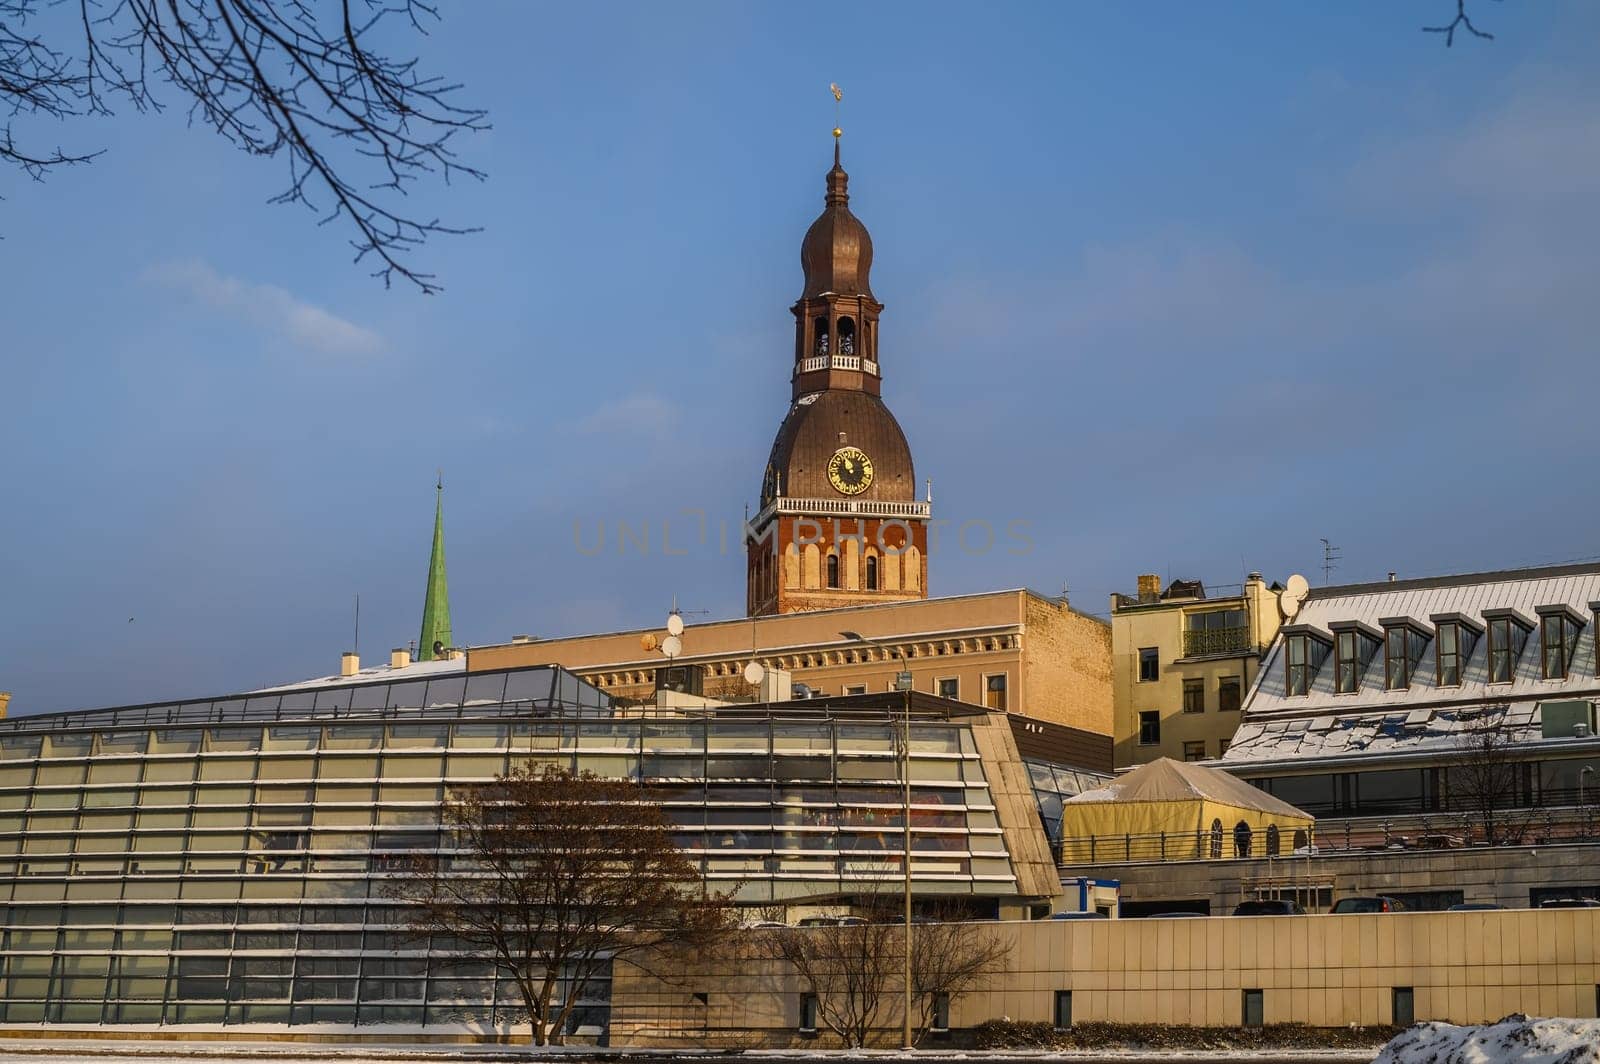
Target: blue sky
[1182,287]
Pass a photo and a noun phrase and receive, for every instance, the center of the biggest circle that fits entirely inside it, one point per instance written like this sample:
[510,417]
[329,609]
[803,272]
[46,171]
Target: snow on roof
[1424,714]
[417,670]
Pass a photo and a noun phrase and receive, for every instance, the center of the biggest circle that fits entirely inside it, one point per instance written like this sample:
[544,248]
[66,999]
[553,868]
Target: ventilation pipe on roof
[349,663]
[1392,575]
[399,658]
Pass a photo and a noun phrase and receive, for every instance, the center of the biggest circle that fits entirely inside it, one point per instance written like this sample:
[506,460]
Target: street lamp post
[902,681]
[1583,806]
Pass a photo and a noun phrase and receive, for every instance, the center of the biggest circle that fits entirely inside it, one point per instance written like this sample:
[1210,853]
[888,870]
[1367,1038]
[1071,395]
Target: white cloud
[269,307]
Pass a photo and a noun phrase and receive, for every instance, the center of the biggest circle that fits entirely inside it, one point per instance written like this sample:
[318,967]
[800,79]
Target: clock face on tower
[850,471]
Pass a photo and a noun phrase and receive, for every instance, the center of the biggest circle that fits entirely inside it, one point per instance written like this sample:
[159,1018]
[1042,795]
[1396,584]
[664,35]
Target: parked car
[1269,907]
[1376,903]
[1473,907]
[831,921]
[1569,903]
[1169,916]
[1079,916]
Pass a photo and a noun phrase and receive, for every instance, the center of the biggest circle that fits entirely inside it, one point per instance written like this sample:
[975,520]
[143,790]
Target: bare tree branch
[1459,22]
[290,77]
[855,966]
[1485,779]
[553,876]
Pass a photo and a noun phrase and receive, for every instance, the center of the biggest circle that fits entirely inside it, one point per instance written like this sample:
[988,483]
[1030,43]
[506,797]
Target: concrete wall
[1503,875]
[1325,971]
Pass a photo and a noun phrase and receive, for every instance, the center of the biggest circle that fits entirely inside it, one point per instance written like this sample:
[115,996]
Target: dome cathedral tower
[839,522]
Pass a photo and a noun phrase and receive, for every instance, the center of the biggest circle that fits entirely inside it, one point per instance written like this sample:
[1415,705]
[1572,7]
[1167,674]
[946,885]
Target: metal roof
[1423,716]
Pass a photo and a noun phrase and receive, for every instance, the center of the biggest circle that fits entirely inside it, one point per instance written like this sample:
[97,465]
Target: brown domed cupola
[836,254]
[836,317]
[839,522]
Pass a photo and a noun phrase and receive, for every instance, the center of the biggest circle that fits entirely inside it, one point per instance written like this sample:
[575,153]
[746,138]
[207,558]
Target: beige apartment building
[1016,651]
[1181,664]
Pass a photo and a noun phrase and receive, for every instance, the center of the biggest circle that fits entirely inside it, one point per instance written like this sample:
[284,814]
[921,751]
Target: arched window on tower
[1241,839]
[820,331]
[833,570]
[847,336]
[1272,840]
[872,572]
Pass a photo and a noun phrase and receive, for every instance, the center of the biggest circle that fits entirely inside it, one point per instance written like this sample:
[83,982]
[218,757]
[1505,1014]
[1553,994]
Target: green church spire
[436,639]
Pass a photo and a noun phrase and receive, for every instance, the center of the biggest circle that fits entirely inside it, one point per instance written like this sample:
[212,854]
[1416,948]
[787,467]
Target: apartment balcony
[1212,642]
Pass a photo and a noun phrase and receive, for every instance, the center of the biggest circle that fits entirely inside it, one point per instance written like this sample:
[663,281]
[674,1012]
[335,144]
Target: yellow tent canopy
[1177,810]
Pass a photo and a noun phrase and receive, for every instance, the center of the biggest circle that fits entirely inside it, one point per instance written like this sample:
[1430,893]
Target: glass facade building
[223,861]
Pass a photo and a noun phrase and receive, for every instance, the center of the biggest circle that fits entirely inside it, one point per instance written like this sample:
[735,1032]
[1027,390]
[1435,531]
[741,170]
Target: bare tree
[555,875]
[274,77]
[948,958]
[1485,779]
[852,967]
[855,967]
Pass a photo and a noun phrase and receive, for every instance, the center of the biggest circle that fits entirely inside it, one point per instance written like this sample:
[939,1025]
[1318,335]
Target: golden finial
[838,97]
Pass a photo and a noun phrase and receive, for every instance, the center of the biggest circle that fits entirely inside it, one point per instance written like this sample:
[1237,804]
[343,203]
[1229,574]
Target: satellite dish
[1293,594]
[648,641]
[754,673]
[672,646]
[674,623]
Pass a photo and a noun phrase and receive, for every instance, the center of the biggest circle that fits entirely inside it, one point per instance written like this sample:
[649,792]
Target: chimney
[5,700]
[349,663]
[522,639]
[1149,587]
[1391,576]
[399,658]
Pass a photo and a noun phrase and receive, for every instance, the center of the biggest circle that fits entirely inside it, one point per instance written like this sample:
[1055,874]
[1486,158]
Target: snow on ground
[1513,1040]
[145,1051]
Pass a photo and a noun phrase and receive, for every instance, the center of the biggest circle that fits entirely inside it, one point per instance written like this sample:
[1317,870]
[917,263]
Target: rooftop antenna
[1330,560]
[356,646]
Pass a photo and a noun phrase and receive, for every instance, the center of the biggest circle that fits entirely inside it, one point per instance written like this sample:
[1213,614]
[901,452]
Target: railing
[1200,642]
[1422,831]
[1198,845]
[845,508]
[820,362]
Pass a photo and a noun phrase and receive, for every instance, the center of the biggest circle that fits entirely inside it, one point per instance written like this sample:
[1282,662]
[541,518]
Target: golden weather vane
[838,98]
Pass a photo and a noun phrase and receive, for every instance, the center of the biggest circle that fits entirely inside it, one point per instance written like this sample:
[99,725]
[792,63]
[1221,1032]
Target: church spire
[436,638]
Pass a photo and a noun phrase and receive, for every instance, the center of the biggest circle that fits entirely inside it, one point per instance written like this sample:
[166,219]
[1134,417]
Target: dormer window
[1508,634]
[1404,640]
[1456,636]
[1304,650]
[1354,645]
[1558,639]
